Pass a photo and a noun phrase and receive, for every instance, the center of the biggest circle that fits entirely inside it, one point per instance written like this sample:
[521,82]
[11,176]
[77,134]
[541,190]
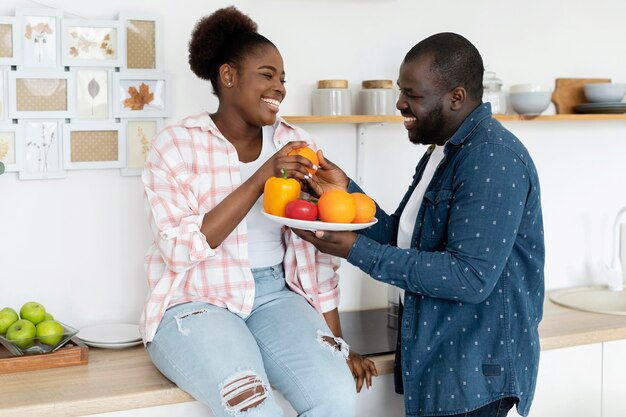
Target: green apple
[50,332]
[33,312]
[8,316]
[48,317]
[22,332]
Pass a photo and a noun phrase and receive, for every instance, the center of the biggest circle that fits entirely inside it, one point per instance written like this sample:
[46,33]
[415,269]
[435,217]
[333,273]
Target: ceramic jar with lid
[332,98]
[377,97]
[492,93]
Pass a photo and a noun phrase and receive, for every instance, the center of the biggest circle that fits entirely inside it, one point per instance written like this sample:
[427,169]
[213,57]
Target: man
[465,244]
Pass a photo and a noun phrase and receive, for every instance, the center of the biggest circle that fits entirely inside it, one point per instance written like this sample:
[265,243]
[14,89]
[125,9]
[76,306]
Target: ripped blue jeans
[229,363]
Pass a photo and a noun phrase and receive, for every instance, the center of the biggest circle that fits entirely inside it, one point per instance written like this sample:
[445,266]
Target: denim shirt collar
[480,113]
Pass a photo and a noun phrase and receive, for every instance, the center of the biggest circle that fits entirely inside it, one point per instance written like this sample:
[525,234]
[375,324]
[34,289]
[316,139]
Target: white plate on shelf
[110,333]
[599,108]
[317,225]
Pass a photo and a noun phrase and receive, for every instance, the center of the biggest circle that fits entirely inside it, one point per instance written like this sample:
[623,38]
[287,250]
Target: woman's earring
[229,84]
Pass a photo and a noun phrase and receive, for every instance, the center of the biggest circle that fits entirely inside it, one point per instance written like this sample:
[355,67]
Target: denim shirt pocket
[436,213]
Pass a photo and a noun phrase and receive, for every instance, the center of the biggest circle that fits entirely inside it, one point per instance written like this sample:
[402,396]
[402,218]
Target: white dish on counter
[112,345]
[110,333]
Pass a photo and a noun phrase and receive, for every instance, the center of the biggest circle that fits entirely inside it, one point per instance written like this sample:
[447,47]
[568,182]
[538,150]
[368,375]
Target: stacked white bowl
[529,99]
[604,92]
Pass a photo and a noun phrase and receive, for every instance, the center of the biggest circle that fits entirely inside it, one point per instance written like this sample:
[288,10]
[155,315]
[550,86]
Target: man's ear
[458,96]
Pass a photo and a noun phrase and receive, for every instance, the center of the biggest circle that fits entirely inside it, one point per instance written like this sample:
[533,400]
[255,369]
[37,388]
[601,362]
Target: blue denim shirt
[473,276]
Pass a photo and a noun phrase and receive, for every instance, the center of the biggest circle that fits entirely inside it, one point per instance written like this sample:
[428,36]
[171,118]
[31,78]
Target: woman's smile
[271,103]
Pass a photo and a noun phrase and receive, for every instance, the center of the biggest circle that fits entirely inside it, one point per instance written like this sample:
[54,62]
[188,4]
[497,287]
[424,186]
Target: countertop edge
[561,328]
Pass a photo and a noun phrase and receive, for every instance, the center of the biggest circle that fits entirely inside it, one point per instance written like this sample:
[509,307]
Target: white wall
[77,244]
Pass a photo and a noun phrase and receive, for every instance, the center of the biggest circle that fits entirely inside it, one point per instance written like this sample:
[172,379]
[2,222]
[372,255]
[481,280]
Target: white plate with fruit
[314,225]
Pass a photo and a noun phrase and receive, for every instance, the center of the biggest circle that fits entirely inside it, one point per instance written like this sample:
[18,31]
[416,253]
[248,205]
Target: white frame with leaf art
[93,127]
[121,81]
[91,25]
[16,148]
[26,154]
[36,14]
[125,18]
[86,92]
[14,113]
[16,41]
[134,145]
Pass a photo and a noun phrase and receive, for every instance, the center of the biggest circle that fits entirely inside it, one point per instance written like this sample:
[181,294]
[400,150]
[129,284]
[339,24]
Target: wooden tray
[74,352]
[568,92]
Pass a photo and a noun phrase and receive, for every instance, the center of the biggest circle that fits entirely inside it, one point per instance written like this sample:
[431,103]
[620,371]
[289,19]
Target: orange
[336,206]
[365,208]
[309,154]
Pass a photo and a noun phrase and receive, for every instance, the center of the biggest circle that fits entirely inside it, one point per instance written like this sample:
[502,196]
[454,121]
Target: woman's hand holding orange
[294,165]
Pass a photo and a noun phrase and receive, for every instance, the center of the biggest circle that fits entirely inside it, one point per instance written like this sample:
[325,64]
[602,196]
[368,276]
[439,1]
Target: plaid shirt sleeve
[327,281]
[173,207]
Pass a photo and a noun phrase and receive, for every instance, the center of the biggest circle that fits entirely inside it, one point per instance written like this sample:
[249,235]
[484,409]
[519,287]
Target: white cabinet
[614,379]
[569,383]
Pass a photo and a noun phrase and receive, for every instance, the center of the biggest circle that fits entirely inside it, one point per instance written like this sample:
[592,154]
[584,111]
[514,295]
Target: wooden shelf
[559,117]
[357,119]
[344,119]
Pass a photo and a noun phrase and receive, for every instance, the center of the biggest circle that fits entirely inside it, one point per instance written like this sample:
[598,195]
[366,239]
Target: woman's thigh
[312,375]
[210,353]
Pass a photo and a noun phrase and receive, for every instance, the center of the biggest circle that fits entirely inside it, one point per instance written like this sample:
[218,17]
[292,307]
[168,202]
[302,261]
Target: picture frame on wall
[142,41]
[10,41]
[93,94]
[40,34]
[139,136]
[94,146]
[41,150]
[47,95]
[10,151]
[92,43]
[141,95]
[4,101]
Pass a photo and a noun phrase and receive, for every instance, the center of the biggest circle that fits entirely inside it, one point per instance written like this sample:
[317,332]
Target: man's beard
[430,132]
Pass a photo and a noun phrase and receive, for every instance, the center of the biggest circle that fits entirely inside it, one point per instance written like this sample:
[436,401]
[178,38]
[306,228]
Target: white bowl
[530,102]
[523,88]
[604,92]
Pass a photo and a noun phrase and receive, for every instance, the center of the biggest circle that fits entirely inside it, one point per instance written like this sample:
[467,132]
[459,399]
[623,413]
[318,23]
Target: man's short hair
[455,61]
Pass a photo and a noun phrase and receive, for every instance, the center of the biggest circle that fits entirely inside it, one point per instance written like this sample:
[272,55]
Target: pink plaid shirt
[190,170]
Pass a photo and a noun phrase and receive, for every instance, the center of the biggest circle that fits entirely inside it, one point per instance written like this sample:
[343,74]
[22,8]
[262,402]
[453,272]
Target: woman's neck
[234,128]
[247,139]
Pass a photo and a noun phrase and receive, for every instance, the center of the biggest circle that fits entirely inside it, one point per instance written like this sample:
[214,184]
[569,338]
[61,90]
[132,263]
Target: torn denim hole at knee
[183,315]
[336,345]
[243,392]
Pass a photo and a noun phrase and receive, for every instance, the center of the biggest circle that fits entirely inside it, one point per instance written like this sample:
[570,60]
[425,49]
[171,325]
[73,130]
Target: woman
[238,304]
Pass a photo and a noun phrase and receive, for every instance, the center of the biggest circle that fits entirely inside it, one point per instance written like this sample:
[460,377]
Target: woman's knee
[243,391]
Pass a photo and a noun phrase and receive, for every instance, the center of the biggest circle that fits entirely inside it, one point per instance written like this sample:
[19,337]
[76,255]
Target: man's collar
[480,113]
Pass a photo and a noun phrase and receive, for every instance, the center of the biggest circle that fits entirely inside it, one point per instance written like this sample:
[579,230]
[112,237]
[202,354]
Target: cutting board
[72,353]
[568,92]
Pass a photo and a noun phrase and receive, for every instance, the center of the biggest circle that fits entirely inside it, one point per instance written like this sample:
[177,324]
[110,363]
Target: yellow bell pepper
[278,192]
